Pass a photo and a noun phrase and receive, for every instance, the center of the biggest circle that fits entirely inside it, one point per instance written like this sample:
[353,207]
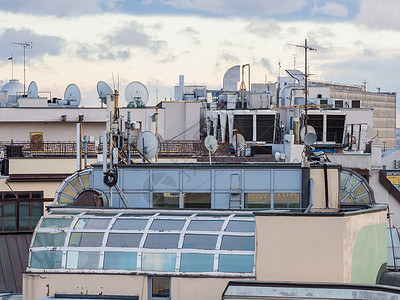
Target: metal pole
[129,137]
[85,150]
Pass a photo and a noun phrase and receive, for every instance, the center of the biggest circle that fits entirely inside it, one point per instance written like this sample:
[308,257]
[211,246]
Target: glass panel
[130,224]
[100,214]
[205,225]
[352,183]
[124,239]
[50,239]
[286,200]
[257,200]
[236,263]
[196,200]
[164,224]
[9,216]
[83,259]
[120,260]
[231,242]
[22,195]
[64,213]
[37,195]
[160,287]
[46,259]
[36,213]
[76,184]
[69,191]
[343,179]
[168,200]
[200,241]
[158,262]
[85,180]
[162,240]
[241,226]
[86,239]
[64,200]
[56,223]
[23,216]
[92,223]
[9,196]
[194,262]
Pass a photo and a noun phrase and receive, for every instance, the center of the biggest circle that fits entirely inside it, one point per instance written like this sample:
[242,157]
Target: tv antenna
[25,45]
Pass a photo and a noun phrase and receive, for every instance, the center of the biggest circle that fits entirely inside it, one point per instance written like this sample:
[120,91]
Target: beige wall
[309,248]
[36,286]
[44,166]
[318,191]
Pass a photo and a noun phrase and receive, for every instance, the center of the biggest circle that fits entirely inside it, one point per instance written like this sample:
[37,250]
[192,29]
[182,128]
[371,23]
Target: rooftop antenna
[25,45]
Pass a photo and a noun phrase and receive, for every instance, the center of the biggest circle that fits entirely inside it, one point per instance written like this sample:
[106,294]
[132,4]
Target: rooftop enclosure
[124,251]
[220,186]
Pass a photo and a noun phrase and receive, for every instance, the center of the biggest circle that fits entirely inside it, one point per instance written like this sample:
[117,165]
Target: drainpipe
[326,186]
[311,197]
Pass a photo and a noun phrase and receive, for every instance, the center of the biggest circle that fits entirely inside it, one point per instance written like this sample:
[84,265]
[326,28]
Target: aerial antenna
[25,45]
[112,75]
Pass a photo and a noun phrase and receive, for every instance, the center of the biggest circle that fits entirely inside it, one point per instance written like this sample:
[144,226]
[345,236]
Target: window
[166,200]
[120,260]
[164,262]
[339,103]
[257,200]
[355,104]
[46,259]
[124,239]
[236,263]
[160,288]
[196,200]
[200,241]
[20,211]
[287,200]
[195,262]
[83,259]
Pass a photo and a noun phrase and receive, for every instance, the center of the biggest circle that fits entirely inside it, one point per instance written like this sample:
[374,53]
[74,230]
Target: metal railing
[68,149]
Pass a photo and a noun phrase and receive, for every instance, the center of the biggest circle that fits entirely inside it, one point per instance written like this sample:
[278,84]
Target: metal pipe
[311,182]
[85,143]
[129,137]
[326,186]
[104,152]
[78,147]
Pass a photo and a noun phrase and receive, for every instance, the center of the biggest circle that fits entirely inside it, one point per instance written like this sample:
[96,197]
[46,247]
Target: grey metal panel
[196,179]
[257,180]
[136,180]
[166,179]
[222,179]
[287,180]
[221,201]
[139,200]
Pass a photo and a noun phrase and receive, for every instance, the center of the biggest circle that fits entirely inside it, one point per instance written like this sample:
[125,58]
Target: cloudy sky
[154,41]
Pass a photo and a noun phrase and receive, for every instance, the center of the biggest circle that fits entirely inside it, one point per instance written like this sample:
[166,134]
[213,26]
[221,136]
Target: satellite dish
[310,129]
[147,144]
[211,143]
[72,93]
[137,92]
[103,89]
[310,139]
[277,156]
[241,143]
[33,91]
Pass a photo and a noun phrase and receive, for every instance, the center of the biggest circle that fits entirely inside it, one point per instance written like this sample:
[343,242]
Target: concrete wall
[318,191]
[320,248]
[36,286]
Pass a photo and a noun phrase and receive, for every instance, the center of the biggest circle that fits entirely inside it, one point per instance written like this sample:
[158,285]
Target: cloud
[264,28]
[382,14]
[42,44]
[191,34]
[266,63]
[227,7]
[134,35]
[96,52]
[58,8]
[332,9]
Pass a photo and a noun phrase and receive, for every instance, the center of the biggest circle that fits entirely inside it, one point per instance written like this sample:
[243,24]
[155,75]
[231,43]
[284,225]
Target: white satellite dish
[238,140]
[211,143]
[103,89]
[310,139]
[136,92]
[33,91]
[310,129]
[147,144]
[72,93]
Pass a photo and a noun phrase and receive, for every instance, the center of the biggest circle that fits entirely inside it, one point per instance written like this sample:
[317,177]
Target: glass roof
[144,241]
[354,189]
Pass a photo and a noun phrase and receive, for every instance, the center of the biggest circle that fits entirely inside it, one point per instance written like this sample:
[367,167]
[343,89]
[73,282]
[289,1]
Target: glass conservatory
[217,243]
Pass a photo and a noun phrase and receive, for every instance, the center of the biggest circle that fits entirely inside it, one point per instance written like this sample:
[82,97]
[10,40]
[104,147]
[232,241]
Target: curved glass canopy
[354,189]
[144,241]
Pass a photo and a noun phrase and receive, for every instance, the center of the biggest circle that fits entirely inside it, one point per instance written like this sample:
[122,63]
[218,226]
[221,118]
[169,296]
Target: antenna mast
[25,45]
[306,47]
